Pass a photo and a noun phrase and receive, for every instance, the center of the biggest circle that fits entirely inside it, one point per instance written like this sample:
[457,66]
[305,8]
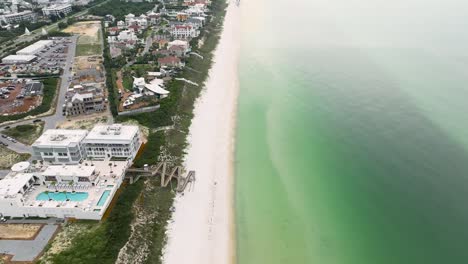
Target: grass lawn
[25,134]
[88,49]
[9,157]
[127,82]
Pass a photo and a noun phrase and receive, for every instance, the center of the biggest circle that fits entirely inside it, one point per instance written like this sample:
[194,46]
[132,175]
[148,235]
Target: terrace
[80,191]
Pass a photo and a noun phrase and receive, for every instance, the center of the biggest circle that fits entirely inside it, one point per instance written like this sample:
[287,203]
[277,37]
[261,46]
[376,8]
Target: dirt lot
[84,122]
[88,31]
[83,63]
[19,231]
[11,105]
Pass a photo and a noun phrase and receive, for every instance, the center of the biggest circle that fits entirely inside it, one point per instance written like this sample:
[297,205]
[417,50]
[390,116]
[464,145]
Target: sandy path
[202,231]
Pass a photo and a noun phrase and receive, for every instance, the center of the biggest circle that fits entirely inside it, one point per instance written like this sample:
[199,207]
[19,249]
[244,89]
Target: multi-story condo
[60,146]
[57,10]
[112,141]
[184,32]
[19,17]
[77,176]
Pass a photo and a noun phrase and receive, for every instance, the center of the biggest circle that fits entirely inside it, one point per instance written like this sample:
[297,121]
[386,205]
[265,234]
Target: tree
[54,183]
[53,18]
[66,196]
[70,183]
[62,25]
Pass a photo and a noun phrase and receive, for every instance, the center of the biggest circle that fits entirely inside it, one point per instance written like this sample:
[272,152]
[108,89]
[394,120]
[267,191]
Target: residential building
[15,18]
[170,61]
[178,47]
[112,141]
[153,18]
[84,99]
[120,24]
[60,146]
[57,10]
[184,31]
[181,16]
[141,21]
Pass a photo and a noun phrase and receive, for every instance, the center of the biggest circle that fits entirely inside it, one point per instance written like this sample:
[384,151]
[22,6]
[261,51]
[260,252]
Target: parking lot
[49,60]
[12,99]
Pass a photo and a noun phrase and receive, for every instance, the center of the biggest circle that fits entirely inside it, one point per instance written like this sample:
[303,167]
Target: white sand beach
[203,229]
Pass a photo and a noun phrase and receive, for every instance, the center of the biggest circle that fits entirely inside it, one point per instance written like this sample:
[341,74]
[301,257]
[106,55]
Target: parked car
[4,136]
[37,120]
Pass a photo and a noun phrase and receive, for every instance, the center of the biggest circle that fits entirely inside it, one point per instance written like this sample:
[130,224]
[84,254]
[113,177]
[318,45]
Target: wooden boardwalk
[161,169]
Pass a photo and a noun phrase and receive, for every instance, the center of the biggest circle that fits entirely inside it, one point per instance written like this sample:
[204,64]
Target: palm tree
[66,196]
[110,166]
[70,183]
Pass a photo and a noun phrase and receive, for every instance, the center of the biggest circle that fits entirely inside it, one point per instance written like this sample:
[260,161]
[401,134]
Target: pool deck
[94,192]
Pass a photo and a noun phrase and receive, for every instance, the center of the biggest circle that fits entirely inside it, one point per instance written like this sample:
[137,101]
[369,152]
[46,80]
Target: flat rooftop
[69,170]
[25,58]
[13,183]
[114,133]
[33,48]
[60,137]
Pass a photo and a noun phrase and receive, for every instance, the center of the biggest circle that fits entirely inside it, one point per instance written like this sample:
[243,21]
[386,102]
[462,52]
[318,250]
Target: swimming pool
[103,198]
[60,196]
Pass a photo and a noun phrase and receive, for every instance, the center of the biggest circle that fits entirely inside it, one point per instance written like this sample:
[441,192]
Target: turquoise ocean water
[352,134]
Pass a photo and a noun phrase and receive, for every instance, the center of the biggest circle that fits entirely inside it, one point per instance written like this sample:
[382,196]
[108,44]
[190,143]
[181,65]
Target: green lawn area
[25,134]
[88,49]
[127,82]
[9,157]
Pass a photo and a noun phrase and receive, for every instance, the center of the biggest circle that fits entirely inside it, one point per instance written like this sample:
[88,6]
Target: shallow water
[352,132]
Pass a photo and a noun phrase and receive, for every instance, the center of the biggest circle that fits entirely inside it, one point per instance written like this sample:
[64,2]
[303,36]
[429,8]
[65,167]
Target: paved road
[148,44]
[28,250]
[17,147]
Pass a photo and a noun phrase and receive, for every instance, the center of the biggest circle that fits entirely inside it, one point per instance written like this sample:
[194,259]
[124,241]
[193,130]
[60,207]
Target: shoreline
[202,228]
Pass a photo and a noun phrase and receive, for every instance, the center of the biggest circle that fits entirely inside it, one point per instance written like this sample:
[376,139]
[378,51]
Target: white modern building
[77,174]
[60,146]
[75,191]
[35,48]
[57,10]
[18,59]
[184,32]
[112,141]
[19,17]
[141,20]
